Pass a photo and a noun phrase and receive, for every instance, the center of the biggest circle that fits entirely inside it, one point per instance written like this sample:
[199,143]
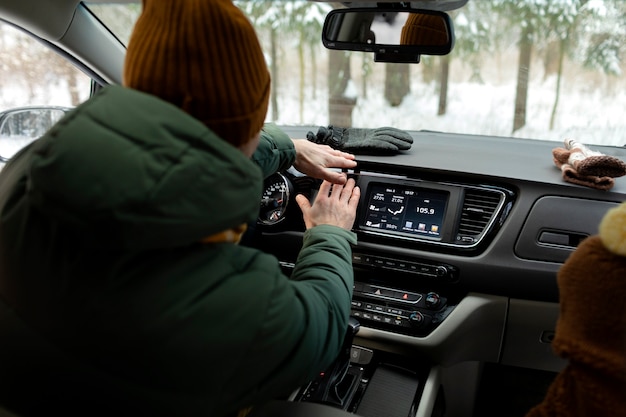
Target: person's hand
[317,160]
[335,204]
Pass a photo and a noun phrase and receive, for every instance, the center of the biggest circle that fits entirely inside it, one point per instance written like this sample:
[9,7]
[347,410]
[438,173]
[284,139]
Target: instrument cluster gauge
[275,199]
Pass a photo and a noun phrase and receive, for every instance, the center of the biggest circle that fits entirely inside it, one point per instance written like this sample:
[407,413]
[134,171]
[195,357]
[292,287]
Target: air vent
[303,185]
[479,207]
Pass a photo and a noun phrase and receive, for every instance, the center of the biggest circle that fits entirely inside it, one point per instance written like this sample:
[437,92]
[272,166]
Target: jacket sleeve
[305,322]
[324,279]
[275,151]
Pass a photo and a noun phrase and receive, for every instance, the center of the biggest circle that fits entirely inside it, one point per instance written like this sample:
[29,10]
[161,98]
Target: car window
[33,74]
[119,18]
[520,68]
[38,87]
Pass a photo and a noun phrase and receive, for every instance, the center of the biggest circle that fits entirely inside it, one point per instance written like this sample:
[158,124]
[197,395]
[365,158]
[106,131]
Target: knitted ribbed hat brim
[205,58]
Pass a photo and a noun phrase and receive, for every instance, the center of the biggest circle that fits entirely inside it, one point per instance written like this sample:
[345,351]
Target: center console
[407,295]
[367,383]
[398,310]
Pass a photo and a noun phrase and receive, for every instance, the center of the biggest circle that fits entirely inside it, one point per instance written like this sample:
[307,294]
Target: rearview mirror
[392,35]
[21,126]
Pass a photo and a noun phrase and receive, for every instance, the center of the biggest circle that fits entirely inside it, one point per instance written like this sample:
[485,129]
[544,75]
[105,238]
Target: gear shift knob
[333,387]
[353,328]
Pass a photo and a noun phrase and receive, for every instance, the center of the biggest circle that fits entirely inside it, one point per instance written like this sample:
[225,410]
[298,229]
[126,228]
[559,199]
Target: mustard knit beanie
[204,57]
[423,29]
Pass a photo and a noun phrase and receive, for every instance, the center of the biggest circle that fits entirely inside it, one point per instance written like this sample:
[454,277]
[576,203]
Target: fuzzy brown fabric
[580,165]
[571,175]
[591,335]
[601,166]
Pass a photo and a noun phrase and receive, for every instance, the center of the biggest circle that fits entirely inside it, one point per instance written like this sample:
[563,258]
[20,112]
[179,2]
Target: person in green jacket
[123,288]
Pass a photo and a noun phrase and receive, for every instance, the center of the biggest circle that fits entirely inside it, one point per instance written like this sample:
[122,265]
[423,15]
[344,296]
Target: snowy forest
[543,58]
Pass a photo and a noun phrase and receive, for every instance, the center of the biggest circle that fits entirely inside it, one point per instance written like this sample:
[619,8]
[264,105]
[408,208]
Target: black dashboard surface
[543,220]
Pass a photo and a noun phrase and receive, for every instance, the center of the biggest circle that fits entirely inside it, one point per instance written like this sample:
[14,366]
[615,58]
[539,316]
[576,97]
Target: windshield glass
[533,69]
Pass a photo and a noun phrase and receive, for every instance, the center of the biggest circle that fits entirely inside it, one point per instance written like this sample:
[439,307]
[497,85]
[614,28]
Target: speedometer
[276,194]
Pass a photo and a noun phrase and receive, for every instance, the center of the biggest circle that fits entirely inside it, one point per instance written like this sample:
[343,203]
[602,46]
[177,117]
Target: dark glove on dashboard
[366,141]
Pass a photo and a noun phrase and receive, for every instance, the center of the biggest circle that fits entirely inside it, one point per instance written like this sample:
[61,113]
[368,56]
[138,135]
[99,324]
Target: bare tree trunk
[339,106]
[443,85]
[559,76]
[364,74]
[301,84]
[72,82]
[397,83]
[314,71]
[551,59]
[274,70]
[523,71]
[428,68]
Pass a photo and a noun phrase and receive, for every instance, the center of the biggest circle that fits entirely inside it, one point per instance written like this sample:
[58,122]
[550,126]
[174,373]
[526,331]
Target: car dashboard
[490,210]
[459,242]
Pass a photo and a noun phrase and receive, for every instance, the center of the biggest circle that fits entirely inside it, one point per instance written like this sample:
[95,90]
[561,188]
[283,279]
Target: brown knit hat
[423,29]
[204,57]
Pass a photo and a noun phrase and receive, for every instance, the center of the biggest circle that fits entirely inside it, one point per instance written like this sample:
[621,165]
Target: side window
[37,86]
[32,74]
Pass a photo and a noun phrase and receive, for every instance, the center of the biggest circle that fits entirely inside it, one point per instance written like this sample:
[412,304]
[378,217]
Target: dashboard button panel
[439,271]
[398,310]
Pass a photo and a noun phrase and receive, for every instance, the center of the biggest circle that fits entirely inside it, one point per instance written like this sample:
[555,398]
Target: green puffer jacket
[118,309]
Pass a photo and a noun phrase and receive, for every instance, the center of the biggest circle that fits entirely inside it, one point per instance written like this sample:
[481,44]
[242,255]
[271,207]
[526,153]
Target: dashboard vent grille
[479,208]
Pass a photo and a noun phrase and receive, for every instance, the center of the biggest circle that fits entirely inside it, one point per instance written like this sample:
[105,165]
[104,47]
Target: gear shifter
[336,385]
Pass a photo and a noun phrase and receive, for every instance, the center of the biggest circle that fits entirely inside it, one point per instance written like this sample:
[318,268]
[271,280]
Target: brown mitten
[580,165]
[588,162]
[571,175]
[560,157]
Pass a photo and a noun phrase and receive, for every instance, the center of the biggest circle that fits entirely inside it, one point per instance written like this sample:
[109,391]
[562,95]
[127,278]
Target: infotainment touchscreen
[405,209]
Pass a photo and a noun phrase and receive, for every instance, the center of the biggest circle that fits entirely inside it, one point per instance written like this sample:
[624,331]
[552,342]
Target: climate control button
[432,300]
[416,318]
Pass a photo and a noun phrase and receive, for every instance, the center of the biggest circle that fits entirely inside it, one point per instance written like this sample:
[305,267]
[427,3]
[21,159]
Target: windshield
[534,69]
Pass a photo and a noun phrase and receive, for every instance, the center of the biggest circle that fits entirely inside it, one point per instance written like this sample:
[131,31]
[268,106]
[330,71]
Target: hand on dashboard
[335,204]
[317,160]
